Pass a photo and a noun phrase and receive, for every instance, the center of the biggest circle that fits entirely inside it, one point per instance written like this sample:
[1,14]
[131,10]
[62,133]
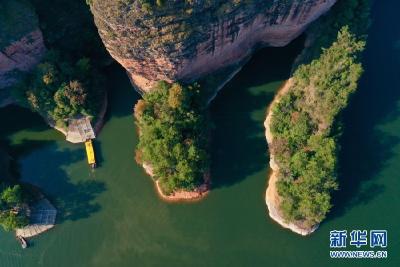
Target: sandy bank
[272,199]
[181,195]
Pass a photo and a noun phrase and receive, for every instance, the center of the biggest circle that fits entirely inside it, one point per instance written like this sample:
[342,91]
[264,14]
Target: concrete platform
[42,218]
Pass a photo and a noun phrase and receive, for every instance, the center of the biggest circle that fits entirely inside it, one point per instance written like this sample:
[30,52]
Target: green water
[112,216]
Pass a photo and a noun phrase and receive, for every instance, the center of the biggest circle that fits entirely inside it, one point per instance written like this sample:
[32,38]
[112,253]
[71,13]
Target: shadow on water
[47,168]
[78,201]
[366,148]
[121,103]
[14,119]
[99,152]
[239,148]
[73,200]
[20,150]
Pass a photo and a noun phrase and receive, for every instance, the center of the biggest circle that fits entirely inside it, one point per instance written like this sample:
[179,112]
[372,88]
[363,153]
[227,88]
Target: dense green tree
[10,220]
[304,143]
[60,89]
[10,203]
[11,195]
[173,135]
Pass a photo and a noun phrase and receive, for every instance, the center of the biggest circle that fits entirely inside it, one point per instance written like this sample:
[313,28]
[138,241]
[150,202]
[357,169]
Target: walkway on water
[42,218]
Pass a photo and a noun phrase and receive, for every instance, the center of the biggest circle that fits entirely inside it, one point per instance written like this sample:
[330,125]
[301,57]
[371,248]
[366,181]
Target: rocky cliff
[21,43]
[183,40]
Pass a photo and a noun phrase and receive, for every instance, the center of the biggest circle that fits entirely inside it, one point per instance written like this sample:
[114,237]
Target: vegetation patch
[59,89]
[173,136]
[304,121]
[12,215]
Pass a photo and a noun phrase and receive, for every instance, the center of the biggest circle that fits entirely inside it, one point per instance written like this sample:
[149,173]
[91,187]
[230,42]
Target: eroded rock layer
[183,40]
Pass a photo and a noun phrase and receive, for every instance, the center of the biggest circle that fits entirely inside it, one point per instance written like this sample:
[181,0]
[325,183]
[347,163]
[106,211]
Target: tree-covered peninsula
[60,89]
[304,125]
[67,80]
[173,136]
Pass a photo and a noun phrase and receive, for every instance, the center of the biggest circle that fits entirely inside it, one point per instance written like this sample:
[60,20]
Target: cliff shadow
[239,147]
[38,160]
[48,169]
[365,147]
[15,120]
[122,96]
[99,152]
[68,26]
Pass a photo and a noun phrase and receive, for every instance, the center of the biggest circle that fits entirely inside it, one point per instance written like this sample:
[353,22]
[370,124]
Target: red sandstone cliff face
[20,56]
[172,44]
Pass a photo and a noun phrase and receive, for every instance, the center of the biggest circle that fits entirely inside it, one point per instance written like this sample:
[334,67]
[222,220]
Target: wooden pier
[80,130]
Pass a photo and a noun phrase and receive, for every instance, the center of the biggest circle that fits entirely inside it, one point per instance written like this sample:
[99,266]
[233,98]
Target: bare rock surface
[184,41]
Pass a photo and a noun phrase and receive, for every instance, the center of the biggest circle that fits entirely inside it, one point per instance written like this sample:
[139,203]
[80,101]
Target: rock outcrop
[184,40]
[21,44]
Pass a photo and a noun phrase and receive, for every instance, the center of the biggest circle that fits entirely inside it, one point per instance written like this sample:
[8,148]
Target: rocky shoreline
[272,199]
[180,196]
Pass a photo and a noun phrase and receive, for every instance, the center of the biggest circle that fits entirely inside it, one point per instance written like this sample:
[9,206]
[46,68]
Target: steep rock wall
[184,40]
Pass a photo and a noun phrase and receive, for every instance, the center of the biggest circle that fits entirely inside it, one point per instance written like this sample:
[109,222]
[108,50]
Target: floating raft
[42,218]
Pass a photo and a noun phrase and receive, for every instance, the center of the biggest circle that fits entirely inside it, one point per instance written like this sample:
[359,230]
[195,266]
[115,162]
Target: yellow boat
[90,153]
